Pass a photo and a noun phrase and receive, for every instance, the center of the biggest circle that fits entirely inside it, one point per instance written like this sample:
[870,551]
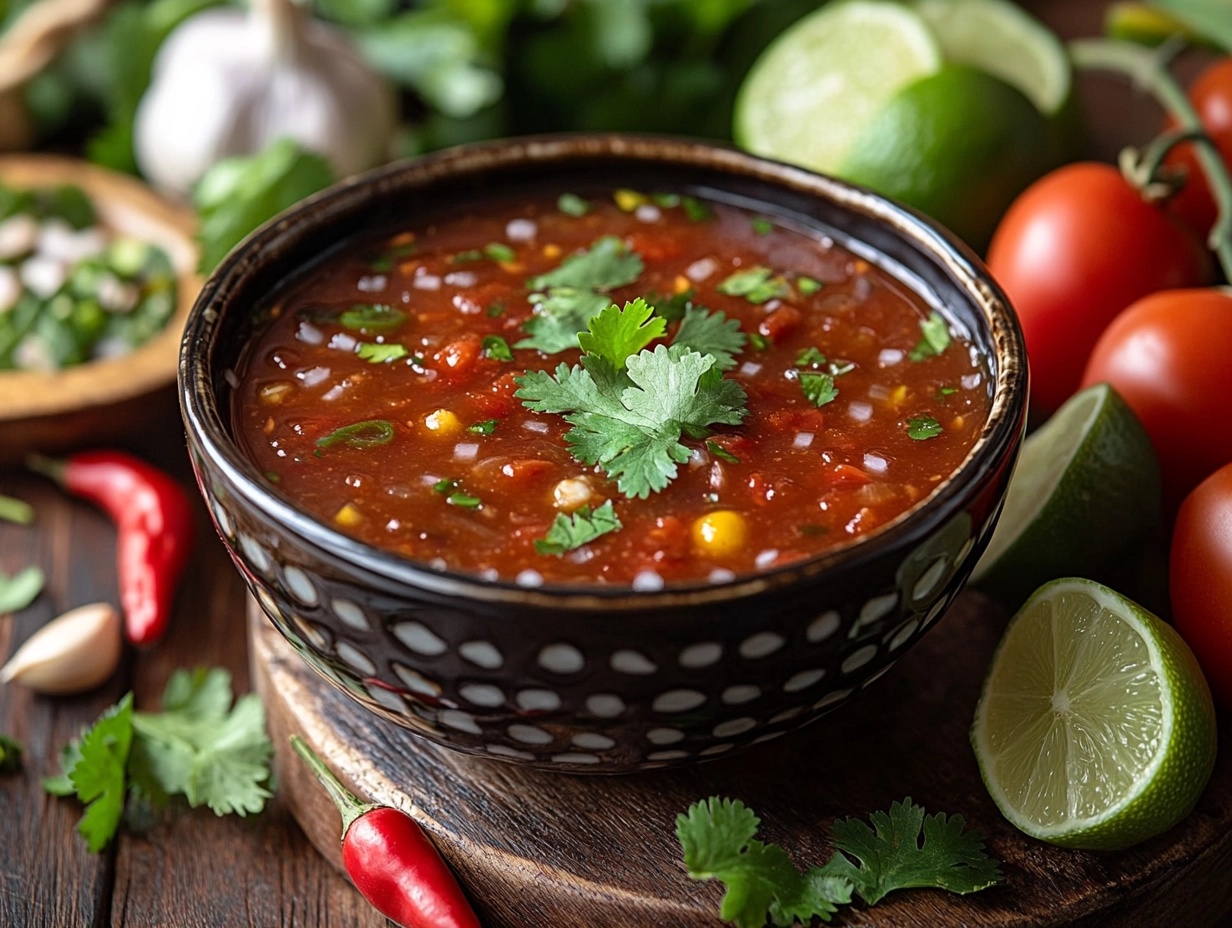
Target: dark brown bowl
[600,680]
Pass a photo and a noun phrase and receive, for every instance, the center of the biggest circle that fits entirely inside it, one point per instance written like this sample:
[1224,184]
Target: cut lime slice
[1085,491]
[813,90]
[1095,728]
[1003,39]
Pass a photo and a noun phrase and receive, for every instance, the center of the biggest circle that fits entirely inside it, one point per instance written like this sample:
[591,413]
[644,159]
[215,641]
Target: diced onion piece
[750,368]
[371,283]
[701,269]
[462,278]
[860,411]
[529,577]
[647,581]
[465,451]
[971,381]
[443,422]
[313,376]
[875,463]
[765,558]
[534,425]
[309,334]
[802,440]
[426,282]
[521,230]
[888,357]
[571,493]
[720,533]
[721,575]
[648,212]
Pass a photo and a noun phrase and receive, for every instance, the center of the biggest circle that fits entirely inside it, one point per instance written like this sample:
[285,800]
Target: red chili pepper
[152,513]
[390,859]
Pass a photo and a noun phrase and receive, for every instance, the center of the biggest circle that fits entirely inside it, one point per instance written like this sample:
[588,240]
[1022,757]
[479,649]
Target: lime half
[1095,728]
[1085,491]
[814,88]
[1003,39]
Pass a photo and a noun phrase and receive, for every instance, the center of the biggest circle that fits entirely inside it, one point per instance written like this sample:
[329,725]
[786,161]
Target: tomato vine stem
[1148,69]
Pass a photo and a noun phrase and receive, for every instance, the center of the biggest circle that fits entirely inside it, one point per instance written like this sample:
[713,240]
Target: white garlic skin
[228,82]
[70,654]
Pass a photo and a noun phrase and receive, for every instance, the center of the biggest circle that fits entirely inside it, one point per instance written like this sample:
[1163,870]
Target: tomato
[1211,96]
[1076,248]
[1169,355]
[1200,579]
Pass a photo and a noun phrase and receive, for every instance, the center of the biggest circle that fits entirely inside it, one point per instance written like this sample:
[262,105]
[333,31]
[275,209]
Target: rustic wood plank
[545,848]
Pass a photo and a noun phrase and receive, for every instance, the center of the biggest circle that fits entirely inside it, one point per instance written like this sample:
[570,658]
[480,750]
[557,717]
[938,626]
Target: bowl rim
[997,441]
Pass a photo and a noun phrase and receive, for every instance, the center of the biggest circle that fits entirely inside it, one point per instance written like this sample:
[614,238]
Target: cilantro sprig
[903,849]
[630,406]
[934,337]
[201,747]
[581,528]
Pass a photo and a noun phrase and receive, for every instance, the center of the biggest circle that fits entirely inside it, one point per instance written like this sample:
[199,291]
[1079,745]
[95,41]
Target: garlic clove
[70,654]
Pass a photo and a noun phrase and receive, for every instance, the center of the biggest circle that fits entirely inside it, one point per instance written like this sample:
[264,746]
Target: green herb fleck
[819,389]
[757,285]
[497,348]
[839,368]
[760,342]
[935,337]
[20,590]
[469,256]
[500,252]
[665,200]
[696,210]
[572,205]
[810,357]
[454,496]
[10,754]
[583,527]
[808,285]
[379,353]
[366,434]
[922,428]
[486,427]
[721,453]
[372,318]
[495,309]
[762,225]
[943,392]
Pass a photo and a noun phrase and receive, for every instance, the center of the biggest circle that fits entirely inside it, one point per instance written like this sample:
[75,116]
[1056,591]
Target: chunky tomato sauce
[387,392]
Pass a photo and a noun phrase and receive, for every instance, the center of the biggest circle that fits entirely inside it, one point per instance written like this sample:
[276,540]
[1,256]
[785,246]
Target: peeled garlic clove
[70,654]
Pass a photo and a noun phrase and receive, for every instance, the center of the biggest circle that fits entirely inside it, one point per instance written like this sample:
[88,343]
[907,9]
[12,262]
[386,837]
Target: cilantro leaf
[810,357]
[96,772]
[808,285]
[757,285]
[935,337]
[608,263]
[891,855]
[559,316]
[496,348]
[583,527]
[572,205]
[486,427]
[379,352]
[10,754]
[631,423]
[922,428]
[20,590]
[238,194]
[819,389]
[711,333]
[817,894]
[617,333]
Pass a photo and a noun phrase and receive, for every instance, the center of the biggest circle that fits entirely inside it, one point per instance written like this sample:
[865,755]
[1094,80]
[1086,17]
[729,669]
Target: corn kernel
[629,200]
[512,267]
[348,516]
[269,426]
[682,283]
[551,251]
[402,238]
[571,493]
[275,392]
[443,422]
[898,395]
[719,533]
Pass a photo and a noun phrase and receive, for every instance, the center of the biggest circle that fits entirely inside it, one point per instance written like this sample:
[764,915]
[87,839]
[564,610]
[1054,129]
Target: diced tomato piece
[668,540]
[761,489]
[781,322]
[846,475]
[654,247]
[800,420]
[498,401]
[524,471]
[457,359]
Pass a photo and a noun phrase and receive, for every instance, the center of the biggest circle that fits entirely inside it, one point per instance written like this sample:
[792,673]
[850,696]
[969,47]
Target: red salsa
[744,393]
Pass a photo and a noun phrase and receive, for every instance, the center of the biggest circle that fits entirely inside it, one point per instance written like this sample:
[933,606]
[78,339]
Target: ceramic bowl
[598,680]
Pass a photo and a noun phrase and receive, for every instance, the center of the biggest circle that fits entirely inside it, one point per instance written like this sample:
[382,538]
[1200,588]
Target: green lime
[958,145]
[813,89]
[1095,728]
[1003,39]
[1085,491]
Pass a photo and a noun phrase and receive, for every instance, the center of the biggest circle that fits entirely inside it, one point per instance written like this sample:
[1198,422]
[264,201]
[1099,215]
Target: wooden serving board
[539,848]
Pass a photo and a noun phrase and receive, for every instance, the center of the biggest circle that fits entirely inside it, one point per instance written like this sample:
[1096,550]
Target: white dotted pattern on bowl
[561,658]
[351,614]
[420,639]
[482,654]
[705,654]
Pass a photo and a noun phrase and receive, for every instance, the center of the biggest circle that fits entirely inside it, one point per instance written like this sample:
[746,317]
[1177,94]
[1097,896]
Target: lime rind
[813,89]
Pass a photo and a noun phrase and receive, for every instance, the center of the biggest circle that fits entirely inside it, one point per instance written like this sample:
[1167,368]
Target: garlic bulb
[229,82]
[70,654]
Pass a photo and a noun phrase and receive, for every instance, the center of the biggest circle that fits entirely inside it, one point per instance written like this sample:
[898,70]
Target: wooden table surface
[181,868]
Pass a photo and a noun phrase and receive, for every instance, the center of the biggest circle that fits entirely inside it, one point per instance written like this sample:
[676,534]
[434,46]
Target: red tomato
[1170,357]
[1076,248]
[1200,579]
[1211,96]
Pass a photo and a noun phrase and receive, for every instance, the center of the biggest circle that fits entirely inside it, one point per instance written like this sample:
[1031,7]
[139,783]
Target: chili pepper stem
[16,510]
[1148,70]
[48,467]
[349,805]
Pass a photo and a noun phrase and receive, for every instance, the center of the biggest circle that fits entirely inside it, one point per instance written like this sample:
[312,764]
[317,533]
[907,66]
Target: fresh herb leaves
[757,285]
[630,422]
[721,453]
[372,318]
[496,348]
[581,528]
[819,389]
[380,352]
[921,428]
[200,746]
[711,333]
[568,297]
[935,337]
[717,838]
[20,590]
[486,427]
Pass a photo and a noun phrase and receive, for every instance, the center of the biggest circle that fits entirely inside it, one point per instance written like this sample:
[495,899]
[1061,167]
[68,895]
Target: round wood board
[538,848]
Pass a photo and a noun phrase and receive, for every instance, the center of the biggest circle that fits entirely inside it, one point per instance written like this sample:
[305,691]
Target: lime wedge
[814,88]
[1085,491]
[1003,39]
[1095,728]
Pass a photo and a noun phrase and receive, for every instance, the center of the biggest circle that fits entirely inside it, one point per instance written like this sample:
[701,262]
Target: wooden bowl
[107,399]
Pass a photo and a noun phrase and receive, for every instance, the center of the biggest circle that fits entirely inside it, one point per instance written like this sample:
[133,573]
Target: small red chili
[390,859]
[152,513]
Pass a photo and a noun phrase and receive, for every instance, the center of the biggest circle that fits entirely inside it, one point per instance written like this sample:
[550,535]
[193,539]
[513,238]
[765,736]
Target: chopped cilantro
[711,333]
[572,205]
[762,225]
[935,337]
[486,427]
[810,357]
[630,422]
[20,590]
[10,754]
[495,310]
[200,746]
[665,200]
[500,252]
[922,428]
[757,285]
[808,285]
[378,353]
[455,497]
[721,453]
[717,837]
[615,336]
[469,256]
[819,389]
[372,318]
[567,297]
[943,392]
[760,342]
[583,527]
[365,434]
[497,348]
[672,308]
[696,210]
